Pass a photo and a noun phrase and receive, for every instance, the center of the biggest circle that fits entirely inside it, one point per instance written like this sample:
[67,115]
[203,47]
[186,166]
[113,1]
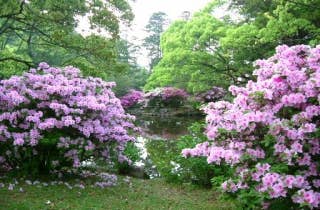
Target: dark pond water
[154,127]
[166,127]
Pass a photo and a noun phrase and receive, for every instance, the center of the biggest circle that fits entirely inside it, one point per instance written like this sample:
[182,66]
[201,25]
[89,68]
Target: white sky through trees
[143,9]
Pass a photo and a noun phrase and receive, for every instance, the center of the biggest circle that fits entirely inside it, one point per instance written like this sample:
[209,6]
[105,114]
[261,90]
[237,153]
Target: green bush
[166,156]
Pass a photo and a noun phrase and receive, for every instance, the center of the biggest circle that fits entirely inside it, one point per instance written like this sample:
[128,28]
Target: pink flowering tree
[269,134]
[53,117]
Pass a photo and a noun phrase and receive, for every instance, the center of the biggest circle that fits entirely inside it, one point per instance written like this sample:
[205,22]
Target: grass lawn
[139,194]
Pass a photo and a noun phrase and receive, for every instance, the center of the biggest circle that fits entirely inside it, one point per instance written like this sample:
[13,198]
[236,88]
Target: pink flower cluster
[171,92]
[131,98]
[274,119]
[48,99]
[212,95]
[167,96]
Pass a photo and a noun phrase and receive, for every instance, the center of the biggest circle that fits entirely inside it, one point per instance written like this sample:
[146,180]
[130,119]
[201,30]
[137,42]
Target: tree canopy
[34,31]
[206,51]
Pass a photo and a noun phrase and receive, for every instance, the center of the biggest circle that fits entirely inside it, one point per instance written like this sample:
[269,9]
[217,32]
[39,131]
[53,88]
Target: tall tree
[44,30]
[192,58]
[155,28]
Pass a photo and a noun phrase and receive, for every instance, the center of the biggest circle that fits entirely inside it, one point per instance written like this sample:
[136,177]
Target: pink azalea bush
[269,134]
[131,98]
[214,94]
[167,96]
[168,93]
[53,117]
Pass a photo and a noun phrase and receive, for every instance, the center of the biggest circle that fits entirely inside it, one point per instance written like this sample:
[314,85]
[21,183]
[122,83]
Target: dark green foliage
[32,164]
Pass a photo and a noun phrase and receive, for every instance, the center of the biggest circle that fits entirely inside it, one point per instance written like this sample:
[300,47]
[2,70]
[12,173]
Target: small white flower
[11,186]
[28,182]
[36,182]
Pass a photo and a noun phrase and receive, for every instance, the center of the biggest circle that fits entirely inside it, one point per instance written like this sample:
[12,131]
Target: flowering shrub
[270,134]
[131,98]
[214,94]
[167,96]
[52,117]
[171,92]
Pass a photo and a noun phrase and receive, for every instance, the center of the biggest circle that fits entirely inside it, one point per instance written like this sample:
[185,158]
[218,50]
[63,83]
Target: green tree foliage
[269,24]
[191,53]
[155,28]
[44,30]
[205,51]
